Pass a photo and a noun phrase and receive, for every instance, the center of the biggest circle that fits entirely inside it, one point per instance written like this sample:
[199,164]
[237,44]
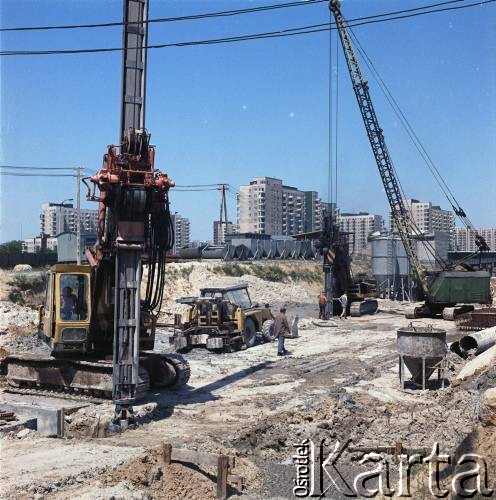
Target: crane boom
[375,134]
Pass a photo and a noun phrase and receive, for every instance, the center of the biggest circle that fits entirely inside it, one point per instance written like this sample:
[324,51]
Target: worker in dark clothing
[322,305]
[281,329]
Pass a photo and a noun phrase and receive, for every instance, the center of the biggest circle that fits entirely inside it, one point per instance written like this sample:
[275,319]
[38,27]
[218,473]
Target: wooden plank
[167,453]
[222,473]
[196,457]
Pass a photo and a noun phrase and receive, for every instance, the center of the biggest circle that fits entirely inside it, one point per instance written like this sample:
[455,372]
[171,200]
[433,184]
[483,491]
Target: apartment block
[360,226]
[428,217]
[182,232]
[267,206]
[37,244]
[221,230]
[57,218]
[464,240]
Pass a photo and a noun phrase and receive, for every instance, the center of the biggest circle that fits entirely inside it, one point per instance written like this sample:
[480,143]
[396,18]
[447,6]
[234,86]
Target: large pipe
[480,341]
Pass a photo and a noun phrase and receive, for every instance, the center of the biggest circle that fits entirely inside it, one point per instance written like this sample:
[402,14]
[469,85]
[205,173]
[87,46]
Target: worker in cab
[343,300]
[68,304]
[322,305]
[281,329]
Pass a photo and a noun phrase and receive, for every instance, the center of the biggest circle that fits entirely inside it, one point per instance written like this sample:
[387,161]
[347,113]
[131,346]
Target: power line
[196,185]
[194,190]
[12,174]
[17,167]
[206,15]
[303,30]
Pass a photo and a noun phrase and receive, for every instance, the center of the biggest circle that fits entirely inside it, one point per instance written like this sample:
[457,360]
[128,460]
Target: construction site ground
[340,382]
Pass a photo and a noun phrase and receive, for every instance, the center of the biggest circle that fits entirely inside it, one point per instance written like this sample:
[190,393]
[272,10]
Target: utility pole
[223,210]
[78,216]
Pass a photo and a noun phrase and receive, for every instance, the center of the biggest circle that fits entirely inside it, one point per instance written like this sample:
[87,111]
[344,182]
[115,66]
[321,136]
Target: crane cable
[448,193]
[329,124]
[418,145]
[336,111]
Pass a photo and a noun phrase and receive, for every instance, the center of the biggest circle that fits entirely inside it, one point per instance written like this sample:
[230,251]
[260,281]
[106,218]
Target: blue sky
[226,113]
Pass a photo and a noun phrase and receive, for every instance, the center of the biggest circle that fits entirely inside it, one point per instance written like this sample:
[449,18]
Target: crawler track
[90,381]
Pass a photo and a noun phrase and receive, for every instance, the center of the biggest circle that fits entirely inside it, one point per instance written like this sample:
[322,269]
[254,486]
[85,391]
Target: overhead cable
[288,32]
[205,15]
[17,167]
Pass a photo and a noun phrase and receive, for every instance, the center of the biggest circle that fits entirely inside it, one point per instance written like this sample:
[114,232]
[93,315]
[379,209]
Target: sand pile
[186,279]
[147,477]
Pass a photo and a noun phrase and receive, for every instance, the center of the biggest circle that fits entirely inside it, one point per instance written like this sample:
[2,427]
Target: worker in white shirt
[344,304]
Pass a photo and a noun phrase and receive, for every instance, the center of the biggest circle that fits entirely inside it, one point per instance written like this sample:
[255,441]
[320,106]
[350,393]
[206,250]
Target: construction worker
[281,329]
[322,305]
[344,304]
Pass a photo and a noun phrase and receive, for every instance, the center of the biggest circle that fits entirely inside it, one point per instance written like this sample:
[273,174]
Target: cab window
[73,297]
[239,297]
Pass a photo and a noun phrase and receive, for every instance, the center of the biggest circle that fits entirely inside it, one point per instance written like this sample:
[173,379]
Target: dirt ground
[339,383]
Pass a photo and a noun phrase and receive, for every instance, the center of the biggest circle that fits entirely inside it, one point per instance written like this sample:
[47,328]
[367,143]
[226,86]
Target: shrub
[231,269]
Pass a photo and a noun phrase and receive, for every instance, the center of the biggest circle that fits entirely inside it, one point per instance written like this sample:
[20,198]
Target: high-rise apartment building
[182,232]
[221,230]
[465,238]
[360,226]
[428,217]
[57,218]
[267,206]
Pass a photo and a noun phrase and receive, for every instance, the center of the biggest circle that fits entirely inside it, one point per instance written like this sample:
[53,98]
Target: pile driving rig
[334,248]
[446,291]
[100,329]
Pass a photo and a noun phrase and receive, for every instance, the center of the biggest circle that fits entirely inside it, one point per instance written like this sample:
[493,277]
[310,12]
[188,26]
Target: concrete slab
[43,414]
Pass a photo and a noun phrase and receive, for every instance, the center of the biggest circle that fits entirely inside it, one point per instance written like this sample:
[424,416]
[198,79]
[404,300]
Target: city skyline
[227,113]
[62,216]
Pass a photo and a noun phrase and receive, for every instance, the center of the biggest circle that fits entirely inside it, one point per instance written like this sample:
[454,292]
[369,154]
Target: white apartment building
[260,206]
[360,226]
[34,245]
[267,206]
[182,232]
[465,238]
[57,218]
[221,230]
[428,217]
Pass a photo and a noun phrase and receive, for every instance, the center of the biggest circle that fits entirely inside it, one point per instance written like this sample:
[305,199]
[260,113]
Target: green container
[460,287]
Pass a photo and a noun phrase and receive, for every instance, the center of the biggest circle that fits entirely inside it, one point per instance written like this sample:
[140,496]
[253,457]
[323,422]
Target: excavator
[447,291]
[98,323]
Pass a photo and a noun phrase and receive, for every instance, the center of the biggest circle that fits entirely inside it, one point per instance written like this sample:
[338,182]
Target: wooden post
[222,472]
[398,448]
[167,453]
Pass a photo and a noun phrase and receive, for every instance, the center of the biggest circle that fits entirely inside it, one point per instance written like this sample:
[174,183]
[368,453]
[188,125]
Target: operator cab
[64,319]
[237,294]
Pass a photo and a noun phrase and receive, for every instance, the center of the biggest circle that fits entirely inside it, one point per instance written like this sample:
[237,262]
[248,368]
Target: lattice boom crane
[441,289]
